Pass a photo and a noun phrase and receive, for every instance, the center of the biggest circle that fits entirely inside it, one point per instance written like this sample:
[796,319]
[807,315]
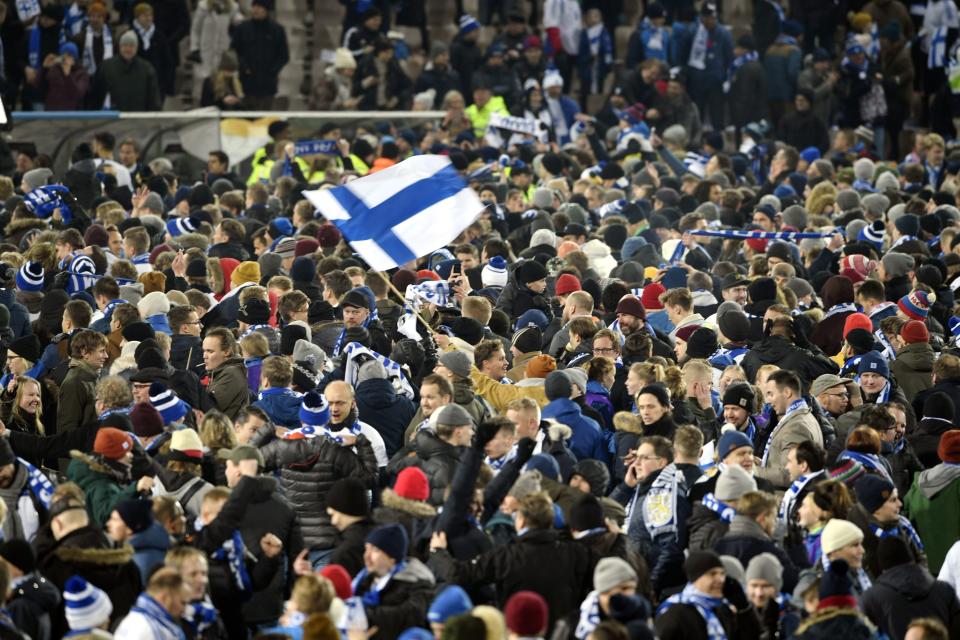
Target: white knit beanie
[838,534]
[154,303]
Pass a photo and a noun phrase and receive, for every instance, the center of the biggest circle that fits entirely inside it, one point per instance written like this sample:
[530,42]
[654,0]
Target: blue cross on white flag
[401,213]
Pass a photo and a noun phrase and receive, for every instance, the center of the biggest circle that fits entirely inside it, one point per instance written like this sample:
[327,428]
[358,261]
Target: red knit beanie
[949,449]
[856,321]
[651,296]
[914,331]
[340,578]
[526,614]
[412,484]
[567,283]
[112,443]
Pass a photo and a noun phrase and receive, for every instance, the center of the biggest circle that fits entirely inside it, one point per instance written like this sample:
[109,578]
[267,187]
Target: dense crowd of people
[664,385]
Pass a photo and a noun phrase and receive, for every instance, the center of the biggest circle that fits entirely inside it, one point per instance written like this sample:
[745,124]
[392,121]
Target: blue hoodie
[587,441]
[160,323]
[281,405]
[149,548]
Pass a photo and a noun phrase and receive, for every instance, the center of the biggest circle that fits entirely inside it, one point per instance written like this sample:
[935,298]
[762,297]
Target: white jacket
[136,626]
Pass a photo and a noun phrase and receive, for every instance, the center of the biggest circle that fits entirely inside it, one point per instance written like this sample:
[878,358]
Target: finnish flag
[404,212]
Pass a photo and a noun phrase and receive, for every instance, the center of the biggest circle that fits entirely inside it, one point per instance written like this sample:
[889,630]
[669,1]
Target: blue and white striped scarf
[790,496]
[338,346]
[937,56]
[119,411]
[252,328]
[761,235]
[163,626]
[723,510]
[497,464]
[394,370]
[905,525]
[308,432]
[888,351]
[869,460]
[843,307]
[74,20]
[113,304]
[704,605]
[738,62]
[141,258]
[795,406]
[200,615]
[372,597]
[589,616]
[37,484]
[234,552]
[858,576]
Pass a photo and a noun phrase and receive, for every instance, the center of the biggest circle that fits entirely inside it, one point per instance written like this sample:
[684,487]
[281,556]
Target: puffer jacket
[389,412]
[436,458]
[228,387]
[913,369]
[281,405]
[906,592]
[705,528]
[308,468]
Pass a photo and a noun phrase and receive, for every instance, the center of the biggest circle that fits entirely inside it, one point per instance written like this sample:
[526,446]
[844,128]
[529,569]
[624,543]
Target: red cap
[651,296]
[340,578]
[112,443]
[532,41]
[305,247]
[426,274]
[757,244]
[567,283]
[328,235]
[914,331]
[856,321]
[687,330]
[412,484]
[526,614]
[949,449]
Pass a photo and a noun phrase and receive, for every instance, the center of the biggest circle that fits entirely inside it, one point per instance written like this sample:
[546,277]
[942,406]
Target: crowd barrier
[187,137]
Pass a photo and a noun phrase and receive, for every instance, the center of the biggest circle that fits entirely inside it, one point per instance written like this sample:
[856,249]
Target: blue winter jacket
[282,405]
[389,412]
[19,316]
[149,548]
[587,441]
[160,323]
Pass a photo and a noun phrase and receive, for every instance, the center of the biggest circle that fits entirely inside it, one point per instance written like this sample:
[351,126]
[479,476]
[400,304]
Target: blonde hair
[493,620]
[216,431]
[312,594]
[649,372]
[38,423]
[255,345]
[673,381]
[255,291]
[765,371]
[697,368]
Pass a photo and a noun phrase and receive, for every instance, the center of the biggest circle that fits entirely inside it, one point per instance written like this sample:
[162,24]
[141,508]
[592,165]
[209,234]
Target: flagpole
[416,312]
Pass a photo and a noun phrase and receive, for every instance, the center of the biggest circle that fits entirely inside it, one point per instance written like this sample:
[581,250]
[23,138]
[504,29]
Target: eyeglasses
[842,394]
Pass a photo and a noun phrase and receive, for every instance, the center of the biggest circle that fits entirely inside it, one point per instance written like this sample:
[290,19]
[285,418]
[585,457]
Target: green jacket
[933,505]
[103,485]
[75,407]
[228,387]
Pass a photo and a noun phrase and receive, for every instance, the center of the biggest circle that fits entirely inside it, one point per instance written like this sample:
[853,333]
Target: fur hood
[391,500]
[21,225]
[628,423]
[415,571]
[97,464]
[557,431]
[103,557]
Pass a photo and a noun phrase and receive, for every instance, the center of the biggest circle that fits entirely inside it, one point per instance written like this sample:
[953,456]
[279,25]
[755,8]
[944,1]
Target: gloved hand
[525,450]
[734,593]
[486,432]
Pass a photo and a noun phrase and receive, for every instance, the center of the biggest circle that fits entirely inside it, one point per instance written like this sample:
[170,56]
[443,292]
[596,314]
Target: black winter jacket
[308,468]
[436,458]
[349,550]
[782,352]
[403,602]
[926,440]
[31,603]
[906,592]
[743,541]
[389,412]
[261,47]
[558,570]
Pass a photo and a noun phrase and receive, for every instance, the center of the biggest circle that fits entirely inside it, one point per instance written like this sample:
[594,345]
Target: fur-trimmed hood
[557,431]
[834,620]
[628,423]
[98,464]
[20,225]
[392,500]
[103,557]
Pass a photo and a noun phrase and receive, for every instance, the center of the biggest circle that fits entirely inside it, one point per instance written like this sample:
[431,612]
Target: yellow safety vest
[481,117]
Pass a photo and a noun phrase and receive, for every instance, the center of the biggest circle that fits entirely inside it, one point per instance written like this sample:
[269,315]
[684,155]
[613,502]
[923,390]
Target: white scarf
[589,616]
[698,51]
[790,496]
[145,34]
[556,114]
[89,59]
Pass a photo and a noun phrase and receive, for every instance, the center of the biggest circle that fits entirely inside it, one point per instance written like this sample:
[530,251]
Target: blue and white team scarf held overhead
[660,504]
[356,354]
[431,292]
